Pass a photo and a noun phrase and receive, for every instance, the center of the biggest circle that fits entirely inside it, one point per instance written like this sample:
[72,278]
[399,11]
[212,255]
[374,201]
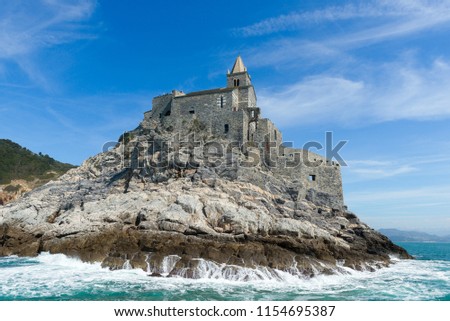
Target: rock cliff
[17,187]
[167,211]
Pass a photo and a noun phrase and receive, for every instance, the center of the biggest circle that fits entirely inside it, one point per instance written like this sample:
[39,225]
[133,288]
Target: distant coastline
[413,236]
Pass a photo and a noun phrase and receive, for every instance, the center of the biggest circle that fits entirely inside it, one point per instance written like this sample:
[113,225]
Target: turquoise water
[57,277]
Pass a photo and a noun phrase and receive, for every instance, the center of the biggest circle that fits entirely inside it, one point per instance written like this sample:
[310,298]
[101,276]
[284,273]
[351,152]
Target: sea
[57,277]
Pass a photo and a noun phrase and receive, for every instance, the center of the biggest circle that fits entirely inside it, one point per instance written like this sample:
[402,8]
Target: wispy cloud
[411,15]
[288,53]
[417,195]
[433,160]
[370,170]
[396,91]
[76,127]
[353,90]
[421,208]
[26,28]
[419,167]
[298,20]
[360,25]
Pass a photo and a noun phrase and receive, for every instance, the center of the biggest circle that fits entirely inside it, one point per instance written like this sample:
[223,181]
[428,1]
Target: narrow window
[236,82]
[275,134]
[312,178]
[221,101]
[226,128]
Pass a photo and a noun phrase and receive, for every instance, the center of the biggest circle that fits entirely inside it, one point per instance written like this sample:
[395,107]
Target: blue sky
[76,74]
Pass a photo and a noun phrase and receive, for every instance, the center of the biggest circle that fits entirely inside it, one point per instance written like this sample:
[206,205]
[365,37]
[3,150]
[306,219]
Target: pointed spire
[238,66]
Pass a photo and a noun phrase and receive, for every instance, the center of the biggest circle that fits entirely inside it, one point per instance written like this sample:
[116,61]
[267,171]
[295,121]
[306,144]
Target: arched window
[236,82]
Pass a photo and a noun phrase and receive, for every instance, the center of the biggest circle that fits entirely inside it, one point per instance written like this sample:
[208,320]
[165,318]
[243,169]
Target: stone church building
[231,113]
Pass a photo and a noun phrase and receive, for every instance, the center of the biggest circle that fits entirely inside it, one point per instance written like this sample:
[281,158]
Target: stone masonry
[231,114]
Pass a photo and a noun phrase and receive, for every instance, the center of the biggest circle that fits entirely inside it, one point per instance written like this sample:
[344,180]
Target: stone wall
[267,131]
[243,77]
[312,173]
[247,97]
[160,105]
[215,112]
[231,114]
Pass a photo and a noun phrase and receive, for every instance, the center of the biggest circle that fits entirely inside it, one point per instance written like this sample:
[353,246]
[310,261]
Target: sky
[75,74]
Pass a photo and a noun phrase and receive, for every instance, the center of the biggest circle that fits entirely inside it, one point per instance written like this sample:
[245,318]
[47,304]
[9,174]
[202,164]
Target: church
[231,114]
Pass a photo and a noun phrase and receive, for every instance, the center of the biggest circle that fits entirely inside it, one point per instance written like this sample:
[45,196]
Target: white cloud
[368,62]
[368,24]
[421,208]
[355,91]
[26,28]
[395,91]
[297,20]
[82,123]
[363,170]
[416,195]
[417,208]
[433,160]
[309,100]
[411,15]
[370,170]
[293,52]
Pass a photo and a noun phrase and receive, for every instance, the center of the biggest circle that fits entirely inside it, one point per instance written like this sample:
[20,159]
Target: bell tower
[239,76]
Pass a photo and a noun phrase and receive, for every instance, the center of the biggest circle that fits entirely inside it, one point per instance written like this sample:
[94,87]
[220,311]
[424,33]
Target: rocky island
[203,185]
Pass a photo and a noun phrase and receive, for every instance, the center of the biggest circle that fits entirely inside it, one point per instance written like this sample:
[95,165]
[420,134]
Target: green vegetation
[126,137]
[12,188]
[17,162]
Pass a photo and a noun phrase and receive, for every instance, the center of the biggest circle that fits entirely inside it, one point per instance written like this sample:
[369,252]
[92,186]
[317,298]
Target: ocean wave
[58,277]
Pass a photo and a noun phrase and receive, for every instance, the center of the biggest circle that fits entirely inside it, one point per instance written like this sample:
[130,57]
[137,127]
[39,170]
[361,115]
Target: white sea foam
[127,265]
[58,276]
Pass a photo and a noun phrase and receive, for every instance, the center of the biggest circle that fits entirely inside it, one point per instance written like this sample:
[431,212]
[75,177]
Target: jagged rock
[166,219]
[105,228]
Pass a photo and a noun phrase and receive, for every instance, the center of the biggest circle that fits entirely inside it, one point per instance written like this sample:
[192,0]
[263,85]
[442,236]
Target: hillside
[21,170]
